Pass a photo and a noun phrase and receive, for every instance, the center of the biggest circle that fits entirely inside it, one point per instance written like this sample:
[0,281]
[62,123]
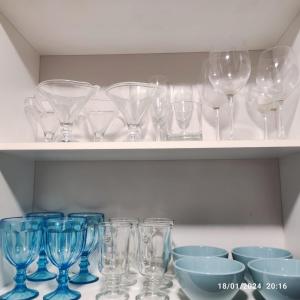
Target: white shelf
[141,26]
[90,291]
[153,150]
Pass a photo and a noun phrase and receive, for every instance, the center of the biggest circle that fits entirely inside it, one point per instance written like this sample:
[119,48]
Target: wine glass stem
[112,283]
[84,264]
[66,131]
[266,132]
[62,279]
[134,133]
[281,130]
[217,110]
[98,137]
[43,261]
[231,112]
[20,278]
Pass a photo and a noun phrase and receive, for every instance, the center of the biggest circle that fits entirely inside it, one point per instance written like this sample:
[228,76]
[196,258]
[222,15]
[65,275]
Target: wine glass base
[164,284]
[83,278]
[63,294]
[108,295]
[152,296]
[41,275]
[128,281]
[20,294]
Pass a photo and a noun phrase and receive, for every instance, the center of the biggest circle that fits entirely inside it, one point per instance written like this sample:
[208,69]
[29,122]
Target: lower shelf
[89,292]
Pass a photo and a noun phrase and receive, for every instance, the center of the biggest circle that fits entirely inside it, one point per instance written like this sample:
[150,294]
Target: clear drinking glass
[42,273]
[113,264]
[278,75]
[64,241]
[161,107]
[130,277]
[21,241]
[212,97]
[100,114]
[92,238]
[67,98]
[133,99]
[154,256]
[229,72]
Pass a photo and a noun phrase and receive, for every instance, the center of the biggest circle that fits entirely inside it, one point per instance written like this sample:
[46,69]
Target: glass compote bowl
[42,273]
[133,99]
[21,241]
[92,238]
[64,240]
[67,98]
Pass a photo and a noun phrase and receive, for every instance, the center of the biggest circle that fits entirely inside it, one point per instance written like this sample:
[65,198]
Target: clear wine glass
[67,98]
[278,75]
[161,107]
[229,72]
[212,97]
[133,99]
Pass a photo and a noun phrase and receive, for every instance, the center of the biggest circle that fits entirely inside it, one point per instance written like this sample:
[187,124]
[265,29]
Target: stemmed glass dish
[154,256]
[161,107]
[92,238]
[133,99]
[42,273]
[130,277]
[113,264]
[67,98]
[21,241]
[278,75]
[229,72]
[65,241]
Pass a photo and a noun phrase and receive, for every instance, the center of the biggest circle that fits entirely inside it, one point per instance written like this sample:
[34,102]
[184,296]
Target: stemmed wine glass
[92,239]
[21,241]
[161,107]
[133,99]
[42,273]
[229,72]
[67,98]
[278,75]
[212,97]
[64,240]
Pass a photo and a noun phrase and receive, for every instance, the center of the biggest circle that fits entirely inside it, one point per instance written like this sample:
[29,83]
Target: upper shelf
[141,26]
[153,150]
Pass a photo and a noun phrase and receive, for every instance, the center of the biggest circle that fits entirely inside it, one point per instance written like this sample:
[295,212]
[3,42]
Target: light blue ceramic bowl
[198,251]
[279,278]
[247,254]
[209,278]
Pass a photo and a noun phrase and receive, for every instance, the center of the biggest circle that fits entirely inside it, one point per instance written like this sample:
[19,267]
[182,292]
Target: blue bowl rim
[185,255]
[234,251]
[242,266]
[271,273]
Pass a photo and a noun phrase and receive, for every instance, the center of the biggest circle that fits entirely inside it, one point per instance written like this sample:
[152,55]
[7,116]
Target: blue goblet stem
[43,261]
[20,279]
[84,264]
[63,279]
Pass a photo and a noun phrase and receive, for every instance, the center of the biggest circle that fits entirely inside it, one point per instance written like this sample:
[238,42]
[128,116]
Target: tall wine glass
[67,98]
[92,238]
[21,241]
[212,97]
[229,72]
[278,75]
[64,240]
[42,273]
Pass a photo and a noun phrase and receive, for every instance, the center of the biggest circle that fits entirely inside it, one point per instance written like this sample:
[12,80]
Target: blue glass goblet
[42,273]
[21,241]
[92,237]
[64,242]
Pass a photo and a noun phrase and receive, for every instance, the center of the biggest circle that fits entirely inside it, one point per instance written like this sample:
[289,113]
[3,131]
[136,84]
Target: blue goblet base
[20,294]
[63,294]
[83,278]
[41,275]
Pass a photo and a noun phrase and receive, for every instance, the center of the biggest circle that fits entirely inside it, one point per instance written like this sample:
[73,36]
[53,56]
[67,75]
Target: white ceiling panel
[143,26]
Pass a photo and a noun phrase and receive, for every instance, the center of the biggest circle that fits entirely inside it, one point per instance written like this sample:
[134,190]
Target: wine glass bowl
[67,98]
[133,99]
[21,241]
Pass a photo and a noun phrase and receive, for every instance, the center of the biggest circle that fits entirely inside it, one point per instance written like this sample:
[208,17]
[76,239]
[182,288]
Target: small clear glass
[154,255]
[21,242]
[113,264]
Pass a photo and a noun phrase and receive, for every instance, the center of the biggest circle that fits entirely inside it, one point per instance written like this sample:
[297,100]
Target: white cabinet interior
[214,198]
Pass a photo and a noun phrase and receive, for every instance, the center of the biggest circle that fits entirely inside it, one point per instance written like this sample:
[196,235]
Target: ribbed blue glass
[21,242]
[42,273]
[93,220]
[64,242]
